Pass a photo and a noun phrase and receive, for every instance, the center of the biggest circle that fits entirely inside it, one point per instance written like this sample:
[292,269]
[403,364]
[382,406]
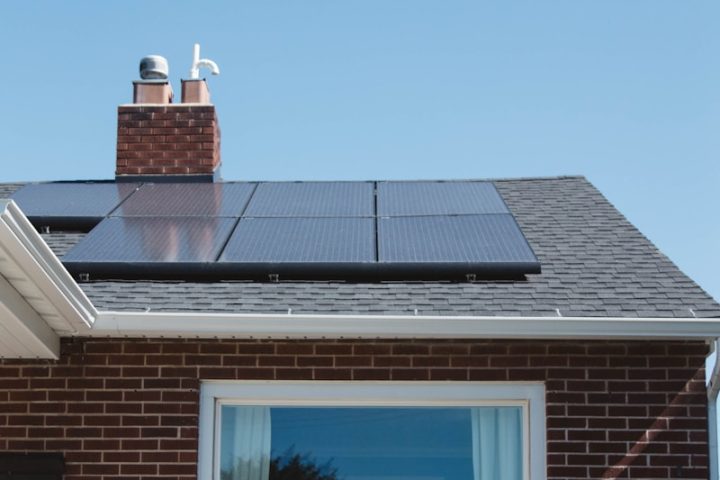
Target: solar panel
[306,230]
[302,240]
[70,205]
[140,240]
[187,199]
[313,199]
[476,243]
[438,198]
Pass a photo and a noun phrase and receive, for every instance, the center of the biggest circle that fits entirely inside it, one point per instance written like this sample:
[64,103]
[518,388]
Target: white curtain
[497,443]
[251,443]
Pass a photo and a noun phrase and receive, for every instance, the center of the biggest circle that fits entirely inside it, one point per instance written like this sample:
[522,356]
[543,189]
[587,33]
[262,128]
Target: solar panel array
[295,230]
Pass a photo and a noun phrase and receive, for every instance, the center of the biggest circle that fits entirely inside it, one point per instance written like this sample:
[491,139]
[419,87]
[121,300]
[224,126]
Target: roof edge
[37,274]
[50,294]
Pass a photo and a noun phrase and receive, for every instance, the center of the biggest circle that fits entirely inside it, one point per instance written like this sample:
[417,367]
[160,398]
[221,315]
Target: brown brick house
[592,367]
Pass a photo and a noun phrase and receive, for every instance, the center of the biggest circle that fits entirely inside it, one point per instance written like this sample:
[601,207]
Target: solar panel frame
[71,205]
[313,199]
[188,200]
[396,199]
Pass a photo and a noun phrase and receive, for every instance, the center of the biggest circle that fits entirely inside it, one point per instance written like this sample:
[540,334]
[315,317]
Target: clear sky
[626,93]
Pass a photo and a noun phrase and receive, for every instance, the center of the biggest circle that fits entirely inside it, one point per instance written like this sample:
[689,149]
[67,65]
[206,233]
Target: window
[372,431]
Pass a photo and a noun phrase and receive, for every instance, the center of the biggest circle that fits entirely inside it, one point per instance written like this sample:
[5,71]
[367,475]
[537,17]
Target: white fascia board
[27,252]
[220,325]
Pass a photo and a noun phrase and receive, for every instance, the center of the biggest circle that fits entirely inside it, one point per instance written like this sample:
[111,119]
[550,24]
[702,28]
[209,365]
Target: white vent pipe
[201,62]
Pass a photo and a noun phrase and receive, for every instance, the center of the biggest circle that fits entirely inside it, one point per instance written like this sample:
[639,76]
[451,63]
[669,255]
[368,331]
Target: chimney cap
[154,67]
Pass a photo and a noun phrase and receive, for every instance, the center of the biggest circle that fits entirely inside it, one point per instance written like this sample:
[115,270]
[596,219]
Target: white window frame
[530,396]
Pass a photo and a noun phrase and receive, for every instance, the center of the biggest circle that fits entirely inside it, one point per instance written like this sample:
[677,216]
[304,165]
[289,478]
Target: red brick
[121,432]
[139,420]
[101,420]
[160,457]
[203,360]
[448,374]
[83,457]
[20,432]
[239,360]
[349,361]
[138,444]
[333,349]
[121,457]
[294,374]
[332,374]
[488,374]
[430,361]
[84,432]
[141,347]
[180,347]
[28,396]
[391,361]
[410,374]
[276,361]
[124,407]
[215,373]
[139,469]
[104,396]
[410,349]
[371,374]
[26,420]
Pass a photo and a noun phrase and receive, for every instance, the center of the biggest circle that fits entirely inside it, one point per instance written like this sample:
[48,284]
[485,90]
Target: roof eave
[37,294]
[40,302]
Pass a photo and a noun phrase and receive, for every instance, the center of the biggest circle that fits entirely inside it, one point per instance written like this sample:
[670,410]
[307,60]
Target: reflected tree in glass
[293,466]
[288,466]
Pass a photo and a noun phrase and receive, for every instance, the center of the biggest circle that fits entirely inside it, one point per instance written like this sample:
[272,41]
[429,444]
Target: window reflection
[382,443]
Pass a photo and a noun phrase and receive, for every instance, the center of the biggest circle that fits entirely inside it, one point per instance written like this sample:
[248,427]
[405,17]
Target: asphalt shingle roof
[594,263]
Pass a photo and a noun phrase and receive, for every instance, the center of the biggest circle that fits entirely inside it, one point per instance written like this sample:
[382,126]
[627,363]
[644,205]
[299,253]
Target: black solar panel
[311,230]
[187,199]
[313,199]
[70,205]
[478,243]
[302,240]
[438,198]
[152,240]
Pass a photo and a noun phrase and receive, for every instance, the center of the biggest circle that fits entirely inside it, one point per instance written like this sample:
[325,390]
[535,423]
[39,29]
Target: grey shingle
[594,262]
[60,243]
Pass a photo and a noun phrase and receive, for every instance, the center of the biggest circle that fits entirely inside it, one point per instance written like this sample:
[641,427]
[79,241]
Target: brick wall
[167,140]
[128,409]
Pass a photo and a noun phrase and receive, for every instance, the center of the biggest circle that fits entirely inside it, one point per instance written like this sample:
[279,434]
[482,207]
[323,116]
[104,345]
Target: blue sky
[626,93]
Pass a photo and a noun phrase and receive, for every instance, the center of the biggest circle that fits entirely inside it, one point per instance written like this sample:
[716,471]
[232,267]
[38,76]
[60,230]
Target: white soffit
[39,300]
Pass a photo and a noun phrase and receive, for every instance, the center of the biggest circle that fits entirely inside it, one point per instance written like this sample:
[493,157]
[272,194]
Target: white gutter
[229,325]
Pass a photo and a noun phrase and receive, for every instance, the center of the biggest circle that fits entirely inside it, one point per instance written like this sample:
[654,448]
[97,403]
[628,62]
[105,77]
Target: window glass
[371,443]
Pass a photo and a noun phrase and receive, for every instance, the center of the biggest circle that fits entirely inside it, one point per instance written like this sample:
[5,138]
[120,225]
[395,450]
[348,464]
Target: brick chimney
[165,142]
